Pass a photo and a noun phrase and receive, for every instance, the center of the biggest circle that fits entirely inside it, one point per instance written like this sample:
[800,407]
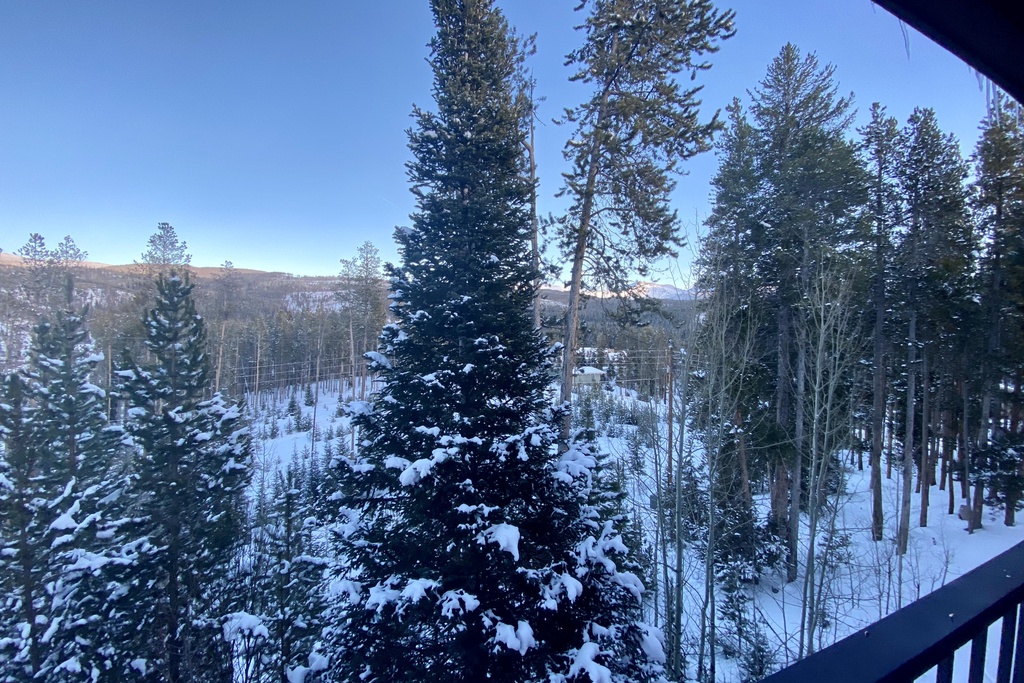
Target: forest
[397,473]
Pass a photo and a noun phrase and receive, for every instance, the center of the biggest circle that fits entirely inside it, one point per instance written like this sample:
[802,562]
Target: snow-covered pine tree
[57,449]
[469,547]
[933,289]
[25,489]
[291,581]
[999,206]
[85,454]
[881,150]
[191,467]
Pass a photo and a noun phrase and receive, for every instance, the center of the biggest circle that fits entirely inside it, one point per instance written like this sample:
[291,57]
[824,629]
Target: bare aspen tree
[724,356]
[833,349]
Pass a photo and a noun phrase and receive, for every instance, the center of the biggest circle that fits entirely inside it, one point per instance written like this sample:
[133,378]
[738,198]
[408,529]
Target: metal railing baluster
[1006,642]
[978,647]
[944,671]
[1018,651]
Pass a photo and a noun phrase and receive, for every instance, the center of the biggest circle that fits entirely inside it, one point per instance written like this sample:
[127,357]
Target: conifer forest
[500,459]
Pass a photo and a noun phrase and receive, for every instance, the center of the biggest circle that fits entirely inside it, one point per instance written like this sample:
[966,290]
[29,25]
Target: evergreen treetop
[190,472]
[164,249]
[471,549]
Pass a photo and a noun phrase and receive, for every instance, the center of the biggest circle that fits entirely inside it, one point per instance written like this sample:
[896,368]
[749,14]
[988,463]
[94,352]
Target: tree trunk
[903,535]
[741,457]
[925,477]
[878,387]
[965,448]
[676,651]
[890,432]
[220,357]
[534,225]
[948,437]
[572,318]
[781,481]
[671,424]
[796,492]
[977,507]
[256,381]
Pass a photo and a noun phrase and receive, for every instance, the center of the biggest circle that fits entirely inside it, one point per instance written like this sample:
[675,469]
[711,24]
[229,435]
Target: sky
[273,134]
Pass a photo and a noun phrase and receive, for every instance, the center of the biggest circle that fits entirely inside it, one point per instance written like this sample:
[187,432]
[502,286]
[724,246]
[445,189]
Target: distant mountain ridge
[654,290]
[9,259]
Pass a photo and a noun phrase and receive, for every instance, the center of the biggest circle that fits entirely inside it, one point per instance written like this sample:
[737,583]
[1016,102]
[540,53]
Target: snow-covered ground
[864,580]
[867,585]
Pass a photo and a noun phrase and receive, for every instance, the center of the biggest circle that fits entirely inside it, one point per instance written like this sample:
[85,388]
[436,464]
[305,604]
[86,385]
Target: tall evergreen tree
[638,125]
[882,148]
[71,425]
[48,270]
[934,258]
[791,200]
[189,473]
[57,453]
[290,580]
[164,249]
[27,484]
[999,203]
[471,549]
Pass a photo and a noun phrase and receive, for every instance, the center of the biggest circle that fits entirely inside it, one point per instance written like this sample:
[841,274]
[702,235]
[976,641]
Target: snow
[381,595]
[354,408]
[506,536]
[573,464]
[631,582]
[417,589]
[455,601]
[652,643]
[317,662]
[243,624]
[378,358]
[584,662]
[573,588]
[394,462]
[866,586]
[418,470]
[519,638]
[66,521]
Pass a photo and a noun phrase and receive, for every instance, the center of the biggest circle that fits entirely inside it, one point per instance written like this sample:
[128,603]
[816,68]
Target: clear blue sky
[272,134]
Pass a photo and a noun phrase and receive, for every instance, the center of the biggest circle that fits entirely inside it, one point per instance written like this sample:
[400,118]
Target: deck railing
[926,634]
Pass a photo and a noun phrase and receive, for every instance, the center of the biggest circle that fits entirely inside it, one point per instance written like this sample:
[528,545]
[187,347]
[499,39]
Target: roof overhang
[987,34]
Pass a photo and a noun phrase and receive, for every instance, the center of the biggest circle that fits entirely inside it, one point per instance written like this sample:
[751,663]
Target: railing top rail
[912,640]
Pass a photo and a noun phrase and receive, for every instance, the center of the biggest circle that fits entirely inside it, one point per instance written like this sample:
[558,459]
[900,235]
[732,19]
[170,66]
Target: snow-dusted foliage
[25,518]
[473,547]
[286,578]
[55,488]
[174,600]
